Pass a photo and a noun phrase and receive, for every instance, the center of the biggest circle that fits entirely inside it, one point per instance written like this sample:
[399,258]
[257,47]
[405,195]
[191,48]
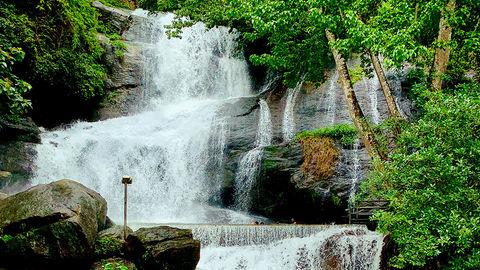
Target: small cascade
[371,85]
[250,162]
[331,100]
[308,247]
[355,169]
[288,122]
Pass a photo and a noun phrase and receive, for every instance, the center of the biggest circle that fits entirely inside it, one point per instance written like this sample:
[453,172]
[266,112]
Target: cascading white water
[307,247]
[288,122]
[371,85]
[331,99]
[165,148]
[354,169]
[168,147]
[250,162]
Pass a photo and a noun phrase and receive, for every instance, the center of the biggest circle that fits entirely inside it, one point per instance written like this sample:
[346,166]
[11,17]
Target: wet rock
[124,82]
[239,119]
[17,164]
[163,248]
[113,263]
[110,242]
[123,85]
[53,224]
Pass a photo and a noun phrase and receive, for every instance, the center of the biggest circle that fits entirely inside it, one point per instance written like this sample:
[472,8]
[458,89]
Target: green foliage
[345,133]
[12,89]
[356,73]
[108,246]
[114,266]
[63,57]
[6,237]
[128,4]
[120,47]
[433,185]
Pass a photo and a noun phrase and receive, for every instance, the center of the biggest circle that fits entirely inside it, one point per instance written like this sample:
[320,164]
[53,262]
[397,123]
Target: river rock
[163,248]
[52,224]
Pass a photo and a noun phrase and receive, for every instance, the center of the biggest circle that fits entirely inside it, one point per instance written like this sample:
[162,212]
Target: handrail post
[126,180]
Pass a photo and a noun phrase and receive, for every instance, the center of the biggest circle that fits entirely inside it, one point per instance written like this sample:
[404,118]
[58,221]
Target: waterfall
[355,169]
[170,146]
[165,148]
[288,123]
[331,100]
[371,85]
[287,247]
[250,162]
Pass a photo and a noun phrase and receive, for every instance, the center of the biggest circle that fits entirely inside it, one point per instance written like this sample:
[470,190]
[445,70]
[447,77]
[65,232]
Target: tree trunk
[442,54]
[391,104]
[354,109]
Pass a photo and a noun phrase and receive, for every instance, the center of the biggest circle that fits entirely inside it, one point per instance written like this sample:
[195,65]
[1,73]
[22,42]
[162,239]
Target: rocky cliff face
[280,190]
[124,83]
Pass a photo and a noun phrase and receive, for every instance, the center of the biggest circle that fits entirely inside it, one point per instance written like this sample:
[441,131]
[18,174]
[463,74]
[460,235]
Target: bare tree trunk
[391,104]
[354,109]
[442,55]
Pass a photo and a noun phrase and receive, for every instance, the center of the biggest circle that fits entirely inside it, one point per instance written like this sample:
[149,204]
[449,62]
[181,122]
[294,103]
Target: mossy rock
[163,248]
[54,224]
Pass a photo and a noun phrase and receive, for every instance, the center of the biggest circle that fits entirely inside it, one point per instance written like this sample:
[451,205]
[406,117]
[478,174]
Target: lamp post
[126,180]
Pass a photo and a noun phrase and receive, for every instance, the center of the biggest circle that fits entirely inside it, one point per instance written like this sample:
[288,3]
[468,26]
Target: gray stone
[124,82]
[17,164]
[163,248]
[118,18]
[48,224]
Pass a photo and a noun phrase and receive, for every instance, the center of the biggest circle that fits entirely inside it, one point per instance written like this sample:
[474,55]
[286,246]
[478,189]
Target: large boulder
[163,248]
[53,224]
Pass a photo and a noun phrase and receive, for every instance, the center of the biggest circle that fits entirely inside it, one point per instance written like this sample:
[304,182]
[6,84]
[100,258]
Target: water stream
[288,123]
[248,167]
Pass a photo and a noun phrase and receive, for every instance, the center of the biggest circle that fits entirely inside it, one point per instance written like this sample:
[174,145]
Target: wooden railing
[361,212]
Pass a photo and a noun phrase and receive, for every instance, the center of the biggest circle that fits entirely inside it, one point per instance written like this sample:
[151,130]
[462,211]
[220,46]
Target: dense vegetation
[429,168]
[63,70]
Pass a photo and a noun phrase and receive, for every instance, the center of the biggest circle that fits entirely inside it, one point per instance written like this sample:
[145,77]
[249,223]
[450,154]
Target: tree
[442,53]
[354,109]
